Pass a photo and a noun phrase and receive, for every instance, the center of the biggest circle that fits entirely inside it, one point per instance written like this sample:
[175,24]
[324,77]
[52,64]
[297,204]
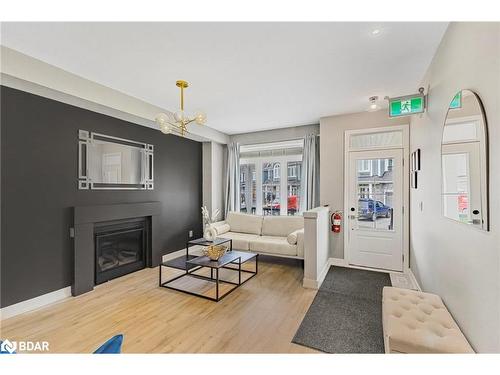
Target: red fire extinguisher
[336,220]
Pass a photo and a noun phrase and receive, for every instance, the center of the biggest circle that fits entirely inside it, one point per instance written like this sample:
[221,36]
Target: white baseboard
[310,283]
[35,303]
[338,262]
[323,273]
[315,284]
[414,279]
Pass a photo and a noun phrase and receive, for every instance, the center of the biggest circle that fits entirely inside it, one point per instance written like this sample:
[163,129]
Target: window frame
[283,161]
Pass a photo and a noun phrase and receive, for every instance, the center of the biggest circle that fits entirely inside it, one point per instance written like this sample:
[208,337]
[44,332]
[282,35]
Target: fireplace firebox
[120,248]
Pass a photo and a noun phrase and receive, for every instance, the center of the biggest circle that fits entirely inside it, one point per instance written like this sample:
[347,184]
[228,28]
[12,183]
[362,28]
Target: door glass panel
[294,170]
[248,188]
[456,187]
[375,190]
[271,179]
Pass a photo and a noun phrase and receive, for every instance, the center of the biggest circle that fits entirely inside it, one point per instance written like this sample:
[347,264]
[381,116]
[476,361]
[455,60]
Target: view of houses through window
[270,179]
[248,188]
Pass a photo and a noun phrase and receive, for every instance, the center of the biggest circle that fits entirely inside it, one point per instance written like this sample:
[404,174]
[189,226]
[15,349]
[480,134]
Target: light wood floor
[261,316]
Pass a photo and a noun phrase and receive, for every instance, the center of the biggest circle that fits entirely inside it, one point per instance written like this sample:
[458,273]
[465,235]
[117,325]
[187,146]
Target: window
[248,188]
[271,184]
[275,186]
[276,171]
[389,164]
[364,166]
[294,187]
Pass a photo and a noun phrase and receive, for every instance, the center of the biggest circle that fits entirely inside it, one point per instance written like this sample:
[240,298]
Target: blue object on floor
[112,346]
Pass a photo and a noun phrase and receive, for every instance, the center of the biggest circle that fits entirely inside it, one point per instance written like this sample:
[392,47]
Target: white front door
[461,166]
[375,209]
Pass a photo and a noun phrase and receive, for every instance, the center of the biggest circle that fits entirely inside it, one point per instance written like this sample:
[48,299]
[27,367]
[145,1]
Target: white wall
[275,135]
[316,247]
[332,130]
[460,263]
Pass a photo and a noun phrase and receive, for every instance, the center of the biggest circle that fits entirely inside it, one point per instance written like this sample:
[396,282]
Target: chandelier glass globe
[180,116]
[165,128]
[161,118]
[200,117]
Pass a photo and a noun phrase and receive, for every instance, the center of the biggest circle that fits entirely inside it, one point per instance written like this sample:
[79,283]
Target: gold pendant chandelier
[177,123]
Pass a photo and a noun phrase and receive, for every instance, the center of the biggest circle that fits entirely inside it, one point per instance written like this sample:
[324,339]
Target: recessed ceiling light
[374,106]
[376,32]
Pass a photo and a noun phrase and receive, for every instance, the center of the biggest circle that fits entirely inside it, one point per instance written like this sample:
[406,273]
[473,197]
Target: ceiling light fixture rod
[182,85]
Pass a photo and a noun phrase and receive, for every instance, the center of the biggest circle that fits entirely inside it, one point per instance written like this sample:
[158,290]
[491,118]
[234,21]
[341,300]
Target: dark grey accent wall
[39,189]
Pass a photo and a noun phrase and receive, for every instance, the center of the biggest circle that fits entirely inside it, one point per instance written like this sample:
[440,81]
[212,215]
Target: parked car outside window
[371,209]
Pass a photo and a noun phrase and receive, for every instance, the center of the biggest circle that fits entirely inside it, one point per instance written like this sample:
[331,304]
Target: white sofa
[273,235]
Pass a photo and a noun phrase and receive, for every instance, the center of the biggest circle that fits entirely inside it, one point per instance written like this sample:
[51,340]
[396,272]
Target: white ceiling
[246,76]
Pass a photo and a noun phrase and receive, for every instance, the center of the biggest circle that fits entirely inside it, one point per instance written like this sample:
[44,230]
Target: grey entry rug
[346,314]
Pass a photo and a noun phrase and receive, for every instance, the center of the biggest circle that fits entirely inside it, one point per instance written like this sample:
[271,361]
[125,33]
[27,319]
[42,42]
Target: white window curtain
[232,198]
[310,172]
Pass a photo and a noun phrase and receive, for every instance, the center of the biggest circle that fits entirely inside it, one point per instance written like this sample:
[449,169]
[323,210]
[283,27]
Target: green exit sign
[406,105]
[457,101]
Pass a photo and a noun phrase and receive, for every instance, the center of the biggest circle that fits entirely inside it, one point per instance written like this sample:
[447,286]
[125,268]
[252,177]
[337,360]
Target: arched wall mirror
[464,155]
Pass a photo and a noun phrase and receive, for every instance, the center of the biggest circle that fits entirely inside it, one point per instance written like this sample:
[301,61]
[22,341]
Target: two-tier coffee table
[232,262]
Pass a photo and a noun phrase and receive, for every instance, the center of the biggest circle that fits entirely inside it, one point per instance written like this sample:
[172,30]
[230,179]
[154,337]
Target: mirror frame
[486,162]
[85,139]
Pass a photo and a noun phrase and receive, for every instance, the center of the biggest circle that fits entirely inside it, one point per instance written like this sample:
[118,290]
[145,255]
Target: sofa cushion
[241,241]
[417,322]
[221,227]
[244,223]
[281,226]
[294,236]
[273,245]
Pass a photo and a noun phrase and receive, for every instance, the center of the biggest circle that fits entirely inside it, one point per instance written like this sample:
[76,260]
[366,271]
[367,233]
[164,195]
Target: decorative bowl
[214,252]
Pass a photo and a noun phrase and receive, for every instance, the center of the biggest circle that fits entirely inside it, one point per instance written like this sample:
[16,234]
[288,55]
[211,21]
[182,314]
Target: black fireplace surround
[113,240]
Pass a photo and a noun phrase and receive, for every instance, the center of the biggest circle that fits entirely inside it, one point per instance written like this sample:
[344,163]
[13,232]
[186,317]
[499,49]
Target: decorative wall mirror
[464,155]
[112,163]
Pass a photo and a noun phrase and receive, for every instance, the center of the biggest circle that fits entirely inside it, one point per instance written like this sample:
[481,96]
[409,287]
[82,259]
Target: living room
[250,187]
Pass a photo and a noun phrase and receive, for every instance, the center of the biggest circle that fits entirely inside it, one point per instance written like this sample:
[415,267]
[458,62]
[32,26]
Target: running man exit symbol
[406,106]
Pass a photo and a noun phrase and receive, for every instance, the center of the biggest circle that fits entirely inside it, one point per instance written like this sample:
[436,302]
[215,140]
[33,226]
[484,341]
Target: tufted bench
[417,322]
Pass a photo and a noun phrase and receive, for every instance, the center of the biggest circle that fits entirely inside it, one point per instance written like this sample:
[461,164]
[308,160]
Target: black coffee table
[232,260]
